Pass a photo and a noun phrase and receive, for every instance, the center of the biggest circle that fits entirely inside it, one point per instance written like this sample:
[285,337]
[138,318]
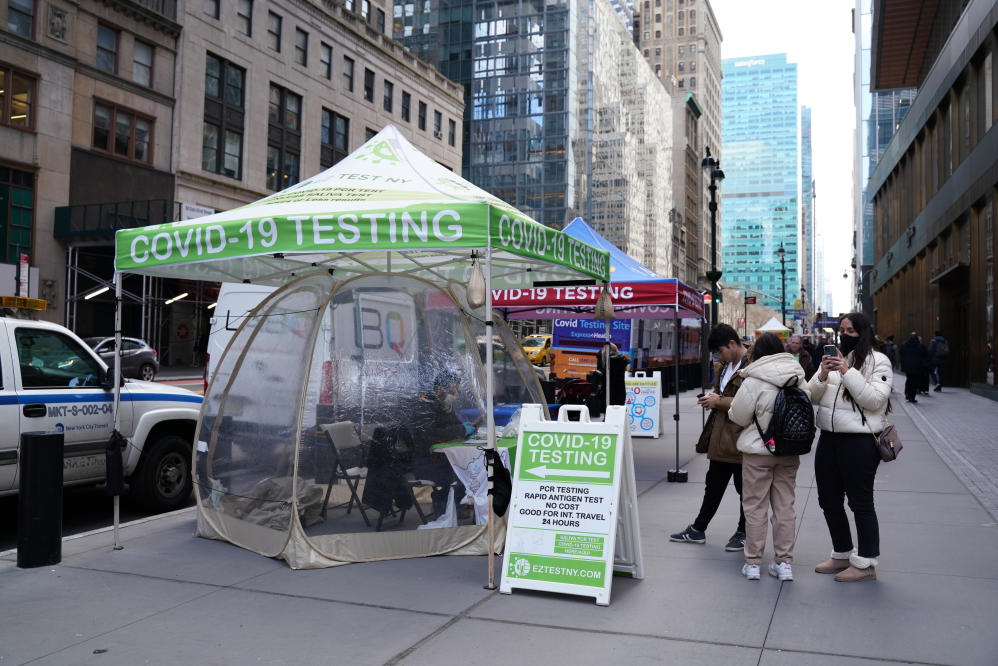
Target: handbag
[704,442]
[888,442]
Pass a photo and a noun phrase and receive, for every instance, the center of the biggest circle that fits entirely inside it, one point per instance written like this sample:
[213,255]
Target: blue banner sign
[590,333]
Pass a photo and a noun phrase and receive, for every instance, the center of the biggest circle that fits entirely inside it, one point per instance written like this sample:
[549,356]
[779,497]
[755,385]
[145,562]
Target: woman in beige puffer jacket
[767,480]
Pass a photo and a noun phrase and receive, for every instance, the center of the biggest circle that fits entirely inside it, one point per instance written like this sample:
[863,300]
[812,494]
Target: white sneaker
[781,570]
[751,571]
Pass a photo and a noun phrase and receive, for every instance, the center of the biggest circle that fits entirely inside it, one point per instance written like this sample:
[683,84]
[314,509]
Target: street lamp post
[713,168]
[781,253]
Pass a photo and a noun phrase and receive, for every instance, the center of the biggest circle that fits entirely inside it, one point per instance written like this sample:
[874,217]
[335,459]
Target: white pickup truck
[51,381]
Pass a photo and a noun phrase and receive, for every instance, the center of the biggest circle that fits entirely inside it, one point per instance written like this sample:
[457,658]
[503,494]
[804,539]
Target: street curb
[110,528]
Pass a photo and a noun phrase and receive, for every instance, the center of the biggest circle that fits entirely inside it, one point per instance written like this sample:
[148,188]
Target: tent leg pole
[492,556]
[677,475]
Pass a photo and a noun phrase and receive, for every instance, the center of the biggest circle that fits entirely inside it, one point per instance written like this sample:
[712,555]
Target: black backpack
[941,350]
[791,430]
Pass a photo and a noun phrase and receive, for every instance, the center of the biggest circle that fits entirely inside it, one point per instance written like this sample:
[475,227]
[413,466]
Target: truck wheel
[147,372]
[163,481]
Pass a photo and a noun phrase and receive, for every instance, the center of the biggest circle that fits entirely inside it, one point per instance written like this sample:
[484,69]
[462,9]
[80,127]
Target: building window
[647,53]
[693,30]
[389,95]
[681,50]
[438,121]
[283,138]
[21,17]
[647,35]
[368,85]
[326,60]
[381,21]
[107,49]
[348,73]
[17,98]
[693,82]
[369,133]
[421,118]
[682,83]
[658,71]
[658,18]
[693,66]
[406,105]
[16,212]
[658,52]
[693,15]
[211,8]
[658,34]
[274,31]
[365,9]
[680,32]
[122,133]
[451,132]
[224,93]
[301,47]
[682,66]
[693,48]
[142,63]
[350,5]
[335,138]
[244,17]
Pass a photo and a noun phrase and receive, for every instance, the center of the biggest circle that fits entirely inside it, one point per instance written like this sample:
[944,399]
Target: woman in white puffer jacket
[768,481]
[852,390]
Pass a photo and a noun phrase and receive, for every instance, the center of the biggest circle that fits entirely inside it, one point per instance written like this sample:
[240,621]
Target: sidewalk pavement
[169,597]
[175,372]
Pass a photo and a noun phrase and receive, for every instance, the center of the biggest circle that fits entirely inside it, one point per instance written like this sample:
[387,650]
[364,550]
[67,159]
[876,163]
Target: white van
[235,301]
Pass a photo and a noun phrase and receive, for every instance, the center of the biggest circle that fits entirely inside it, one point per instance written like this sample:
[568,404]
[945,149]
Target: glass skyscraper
[517,62]
[760,193]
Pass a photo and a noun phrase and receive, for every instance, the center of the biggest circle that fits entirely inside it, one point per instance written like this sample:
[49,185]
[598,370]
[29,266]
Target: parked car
[138,359]
[537,348]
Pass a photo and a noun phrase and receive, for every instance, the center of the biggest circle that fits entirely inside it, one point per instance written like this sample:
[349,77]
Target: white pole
[490,425]
[117,388]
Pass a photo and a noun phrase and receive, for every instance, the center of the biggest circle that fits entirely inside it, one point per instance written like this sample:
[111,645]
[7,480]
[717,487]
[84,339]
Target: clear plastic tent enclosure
[362,401]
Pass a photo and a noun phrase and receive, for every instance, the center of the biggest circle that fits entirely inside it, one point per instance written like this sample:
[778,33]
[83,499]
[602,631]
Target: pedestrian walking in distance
[768,481]
[913,359]
[938,353]
[852,390]
[796,348]
[725,460]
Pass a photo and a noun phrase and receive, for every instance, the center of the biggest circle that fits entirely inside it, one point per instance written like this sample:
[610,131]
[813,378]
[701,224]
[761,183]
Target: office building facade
[681,40]
[563,117]
[760,193]
[144,111]
[808,293]
[934,188]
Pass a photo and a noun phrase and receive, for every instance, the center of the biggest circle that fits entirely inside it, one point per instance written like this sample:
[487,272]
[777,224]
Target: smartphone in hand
[830,350]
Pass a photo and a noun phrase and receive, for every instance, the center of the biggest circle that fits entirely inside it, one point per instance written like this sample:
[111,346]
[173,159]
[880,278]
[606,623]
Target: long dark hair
[864,344]
[767,345]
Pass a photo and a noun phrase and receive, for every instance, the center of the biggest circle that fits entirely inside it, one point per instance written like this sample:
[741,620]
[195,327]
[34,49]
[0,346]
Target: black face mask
[847,343]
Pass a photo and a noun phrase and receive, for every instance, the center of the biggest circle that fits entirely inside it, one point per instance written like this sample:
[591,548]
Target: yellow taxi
[537,347]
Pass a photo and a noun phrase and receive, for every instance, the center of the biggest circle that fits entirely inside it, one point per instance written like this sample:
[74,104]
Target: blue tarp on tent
[622,267]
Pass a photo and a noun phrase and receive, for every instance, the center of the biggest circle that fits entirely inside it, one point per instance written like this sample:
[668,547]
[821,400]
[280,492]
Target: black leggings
[718,475]
[845,465]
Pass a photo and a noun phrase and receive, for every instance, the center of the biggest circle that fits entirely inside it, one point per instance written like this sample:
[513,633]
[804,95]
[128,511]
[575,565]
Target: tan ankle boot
[854,575]
[832,565]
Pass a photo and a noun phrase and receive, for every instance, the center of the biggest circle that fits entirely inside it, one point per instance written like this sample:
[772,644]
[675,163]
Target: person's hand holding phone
[707,400]
[832,362]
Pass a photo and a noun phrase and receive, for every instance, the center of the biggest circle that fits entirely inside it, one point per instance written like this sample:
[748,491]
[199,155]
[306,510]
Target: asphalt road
[87,508]
[83,510]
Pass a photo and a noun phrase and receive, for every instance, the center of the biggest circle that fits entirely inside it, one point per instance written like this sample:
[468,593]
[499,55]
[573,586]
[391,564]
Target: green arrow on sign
[542,472]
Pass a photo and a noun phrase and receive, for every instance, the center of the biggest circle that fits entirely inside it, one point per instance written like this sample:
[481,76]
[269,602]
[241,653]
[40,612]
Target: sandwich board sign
[644,403]
[573,519]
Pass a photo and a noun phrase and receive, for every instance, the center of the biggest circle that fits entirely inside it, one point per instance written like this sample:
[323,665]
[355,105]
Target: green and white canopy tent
[387,223]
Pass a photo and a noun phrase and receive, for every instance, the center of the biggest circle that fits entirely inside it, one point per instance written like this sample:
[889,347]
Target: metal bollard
[39,501]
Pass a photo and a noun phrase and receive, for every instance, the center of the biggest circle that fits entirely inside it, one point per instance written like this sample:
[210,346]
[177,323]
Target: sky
[817,35]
